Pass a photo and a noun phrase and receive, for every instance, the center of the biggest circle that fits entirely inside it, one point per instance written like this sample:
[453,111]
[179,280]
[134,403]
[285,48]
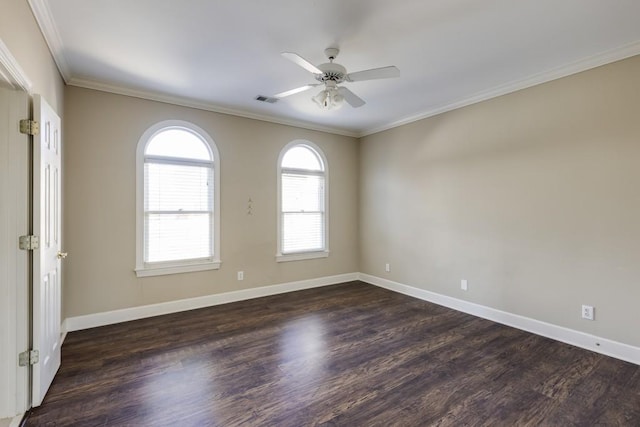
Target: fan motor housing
[331,72]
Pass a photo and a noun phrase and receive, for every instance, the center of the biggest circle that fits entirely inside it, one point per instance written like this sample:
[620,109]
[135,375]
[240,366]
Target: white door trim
[16,306]
[11,74]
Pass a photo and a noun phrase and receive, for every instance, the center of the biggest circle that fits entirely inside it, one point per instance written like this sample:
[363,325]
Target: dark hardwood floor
[344,355]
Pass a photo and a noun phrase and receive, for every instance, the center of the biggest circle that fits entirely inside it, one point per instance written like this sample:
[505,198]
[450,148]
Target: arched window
[177,200]
[302,202]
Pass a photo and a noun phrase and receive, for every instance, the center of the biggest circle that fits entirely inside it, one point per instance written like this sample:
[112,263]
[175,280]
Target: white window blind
[302,212]
[178,199]
[303,200]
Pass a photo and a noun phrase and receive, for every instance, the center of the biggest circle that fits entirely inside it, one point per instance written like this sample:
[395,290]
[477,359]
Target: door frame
[18,325]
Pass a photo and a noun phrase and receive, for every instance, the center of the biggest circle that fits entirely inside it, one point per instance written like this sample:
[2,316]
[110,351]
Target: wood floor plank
[343,355]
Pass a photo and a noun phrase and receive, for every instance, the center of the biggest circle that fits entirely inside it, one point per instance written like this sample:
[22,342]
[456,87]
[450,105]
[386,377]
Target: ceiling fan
[330,75]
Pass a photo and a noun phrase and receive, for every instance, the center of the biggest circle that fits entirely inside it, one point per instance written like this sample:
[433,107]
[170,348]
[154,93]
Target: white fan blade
[374,73]
[294,91]
[354,100]
[294,57]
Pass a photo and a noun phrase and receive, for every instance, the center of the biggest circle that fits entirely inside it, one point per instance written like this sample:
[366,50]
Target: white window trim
[157,269]
[300,256]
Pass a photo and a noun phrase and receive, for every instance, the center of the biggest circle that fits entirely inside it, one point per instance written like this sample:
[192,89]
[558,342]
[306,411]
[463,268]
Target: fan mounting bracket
[331,53]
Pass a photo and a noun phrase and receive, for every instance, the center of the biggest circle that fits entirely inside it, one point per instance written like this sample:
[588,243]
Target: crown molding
[10,71]
[42,13]
[206,106]
[45,20]
[566,70]
[603,58]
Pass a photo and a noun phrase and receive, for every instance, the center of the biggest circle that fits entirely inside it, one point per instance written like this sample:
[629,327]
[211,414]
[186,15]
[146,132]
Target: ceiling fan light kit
[331,74]
[329,98]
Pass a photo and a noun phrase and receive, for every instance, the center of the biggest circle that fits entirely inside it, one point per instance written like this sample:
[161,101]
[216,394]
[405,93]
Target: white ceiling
[219,55]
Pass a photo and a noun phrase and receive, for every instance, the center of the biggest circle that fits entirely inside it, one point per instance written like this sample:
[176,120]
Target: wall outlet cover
[588,312]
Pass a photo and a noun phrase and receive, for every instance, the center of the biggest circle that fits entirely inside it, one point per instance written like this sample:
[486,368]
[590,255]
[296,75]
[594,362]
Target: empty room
[302,213]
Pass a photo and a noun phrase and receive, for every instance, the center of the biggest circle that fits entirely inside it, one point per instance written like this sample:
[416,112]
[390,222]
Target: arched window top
[178,142]
[302,156]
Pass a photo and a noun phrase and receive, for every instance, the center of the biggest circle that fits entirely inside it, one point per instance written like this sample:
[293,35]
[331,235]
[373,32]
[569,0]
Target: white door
[47,148]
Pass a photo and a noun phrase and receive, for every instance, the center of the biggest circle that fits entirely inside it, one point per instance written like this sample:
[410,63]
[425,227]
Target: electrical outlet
[387,267]
[464,285]
[588,312]
[240,275]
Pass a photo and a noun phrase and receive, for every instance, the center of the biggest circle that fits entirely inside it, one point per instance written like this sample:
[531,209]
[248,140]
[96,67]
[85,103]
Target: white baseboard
[63,331]
[579,339]
[134,313]
[15,421]
[600,345]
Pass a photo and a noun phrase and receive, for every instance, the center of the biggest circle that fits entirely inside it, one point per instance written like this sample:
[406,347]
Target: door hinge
[29,357]
[29,243]
[29,127]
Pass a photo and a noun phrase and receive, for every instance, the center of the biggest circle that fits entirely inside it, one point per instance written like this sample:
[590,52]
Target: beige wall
[19,31]
[533,197]
[102,132]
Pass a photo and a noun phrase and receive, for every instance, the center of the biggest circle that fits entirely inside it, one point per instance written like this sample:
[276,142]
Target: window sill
[186,268]
[301,256]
